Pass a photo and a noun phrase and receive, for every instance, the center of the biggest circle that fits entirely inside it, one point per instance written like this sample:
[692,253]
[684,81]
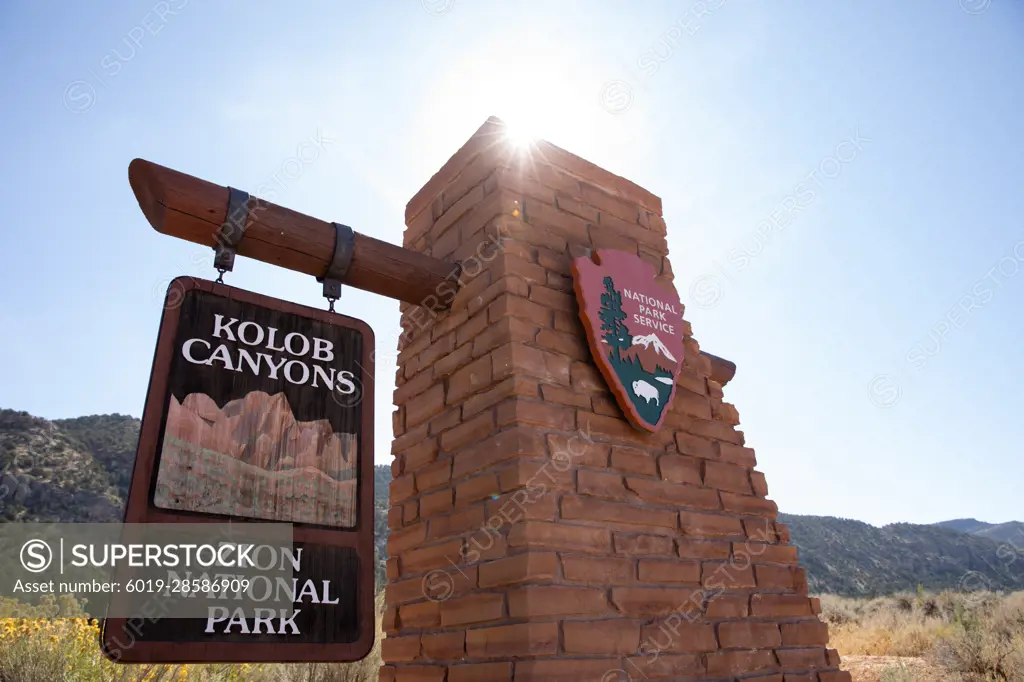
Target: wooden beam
[186,207]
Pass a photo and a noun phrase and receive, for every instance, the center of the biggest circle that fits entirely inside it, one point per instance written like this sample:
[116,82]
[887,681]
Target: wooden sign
[260,410]
[634,328]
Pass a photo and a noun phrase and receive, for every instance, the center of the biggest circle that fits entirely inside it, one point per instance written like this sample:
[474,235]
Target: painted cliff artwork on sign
[262,416]
[634,329]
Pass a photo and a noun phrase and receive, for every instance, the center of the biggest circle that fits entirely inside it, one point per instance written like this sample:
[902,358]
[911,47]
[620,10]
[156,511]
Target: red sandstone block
[691,404]
[395,518]
[802,658]
[424,614]
[643,545]
[394,648]
[475,489]
[759,484]
[727,477]
[680,469]
[475,608]
[518,569]
[535,601]
[600,484]
[634,461]
[498,448]
[657,665]
[729,575]
[566,344]
[521,411]
[536,505]
[698,525]
[601,637]
[655,601]
[508,305]
[410,512]
[563,537]
[782,533]
[567,670]
[805,633]
[469,431]
[552,299]
[445,420]
[676,634]
[729,663]
[481,672]
[468,380]
[695,446]
[603,404]
[402,488]
[774,578]
[702,549]
[420,673]
[436,556]
[397,466]
[728,606]
[420,455]
[391,568]
[834,676]
[512,386]
[578,449]
[546,217]
[749,635]
[437,502]
[590,509]
[613,428]
[506,265]
[725,412]
[406,538]
[586,377]
[604,237]
[404,591]
[780,606]
[760,530]
[752,506]
[480,292]
[413,387]
[832,655]
[734,453]
[597,571]
[674,494]
[577,208]
[389,620]
[523,360]
[457,523]
[427,358]
[561,395]
[669,571]
[525,639]
[756,552]
[539,477]
[444,646]
[471,329]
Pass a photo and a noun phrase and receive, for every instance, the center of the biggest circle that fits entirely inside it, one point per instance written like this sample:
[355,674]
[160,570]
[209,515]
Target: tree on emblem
[612,320]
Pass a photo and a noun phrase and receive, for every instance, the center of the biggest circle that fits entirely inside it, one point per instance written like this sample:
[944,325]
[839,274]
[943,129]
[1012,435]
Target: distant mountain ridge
[79,470]
[1011,531]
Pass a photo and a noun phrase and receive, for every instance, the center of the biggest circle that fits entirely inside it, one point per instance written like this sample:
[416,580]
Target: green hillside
[79,469]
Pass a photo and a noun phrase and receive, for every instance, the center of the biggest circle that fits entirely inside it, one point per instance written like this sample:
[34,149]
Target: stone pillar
[535,535]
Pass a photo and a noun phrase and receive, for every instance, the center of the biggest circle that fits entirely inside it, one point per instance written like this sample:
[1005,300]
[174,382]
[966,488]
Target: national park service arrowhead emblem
[634,328]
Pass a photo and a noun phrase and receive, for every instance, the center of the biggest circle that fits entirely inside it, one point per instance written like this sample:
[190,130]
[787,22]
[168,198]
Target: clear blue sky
[864,388]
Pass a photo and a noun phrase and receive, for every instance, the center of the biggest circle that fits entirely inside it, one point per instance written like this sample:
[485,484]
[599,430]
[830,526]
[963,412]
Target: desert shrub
[986,644]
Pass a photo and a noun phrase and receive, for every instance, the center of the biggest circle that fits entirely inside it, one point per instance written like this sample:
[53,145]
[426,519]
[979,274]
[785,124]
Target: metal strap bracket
[344,244]
[231,231]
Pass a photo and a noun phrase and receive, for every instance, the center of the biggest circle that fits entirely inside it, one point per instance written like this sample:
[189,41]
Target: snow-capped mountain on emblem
[634,327]
[652,339]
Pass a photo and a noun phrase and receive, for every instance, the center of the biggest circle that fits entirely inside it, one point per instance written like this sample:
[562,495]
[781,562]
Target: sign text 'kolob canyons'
[261,411]
[634,328]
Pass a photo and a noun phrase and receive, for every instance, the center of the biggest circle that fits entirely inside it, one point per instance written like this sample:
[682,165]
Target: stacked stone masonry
[534,534]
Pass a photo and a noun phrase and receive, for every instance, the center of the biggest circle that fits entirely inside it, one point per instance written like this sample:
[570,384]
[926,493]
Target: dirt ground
[893,669]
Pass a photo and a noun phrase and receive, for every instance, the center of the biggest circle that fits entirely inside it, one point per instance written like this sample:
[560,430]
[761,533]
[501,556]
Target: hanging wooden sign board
[260,411]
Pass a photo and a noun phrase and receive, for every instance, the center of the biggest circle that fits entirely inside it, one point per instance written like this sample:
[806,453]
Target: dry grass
[43,644]
[972,637]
